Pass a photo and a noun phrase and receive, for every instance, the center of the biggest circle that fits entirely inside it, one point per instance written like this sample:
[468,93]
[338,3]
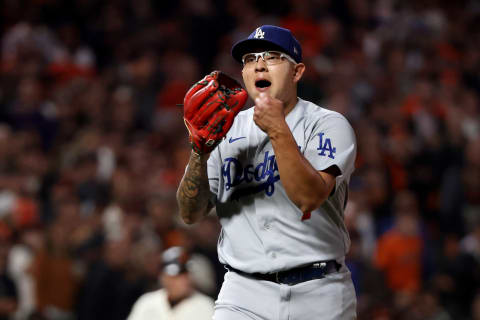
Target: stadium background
[92,146]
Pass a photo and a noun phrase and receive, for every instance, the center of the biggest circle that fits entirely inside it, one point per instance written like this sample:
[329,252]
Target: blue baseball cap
[273,37]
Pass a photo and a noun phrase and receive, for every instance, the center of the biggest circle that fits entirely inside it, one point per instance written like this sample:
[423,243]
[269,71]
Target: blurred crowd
[92,146]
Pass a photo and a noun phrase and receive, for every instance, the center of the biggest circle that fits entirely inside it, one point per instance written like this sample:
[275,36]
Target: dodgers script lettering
[235,174]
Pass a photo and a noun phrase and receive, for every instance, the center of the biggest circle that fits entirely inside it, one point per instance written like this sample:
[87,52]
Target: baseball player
[279,182]
[178,299]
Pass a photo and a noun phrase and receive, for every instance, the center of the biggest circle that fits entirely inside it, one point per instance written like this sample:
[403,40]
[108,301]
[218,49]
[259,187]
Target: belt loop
[337,266]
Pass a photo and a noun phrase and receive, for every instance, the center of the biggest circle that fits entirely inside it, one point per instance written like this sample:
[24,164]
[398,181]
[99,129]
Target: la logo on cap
[259,34]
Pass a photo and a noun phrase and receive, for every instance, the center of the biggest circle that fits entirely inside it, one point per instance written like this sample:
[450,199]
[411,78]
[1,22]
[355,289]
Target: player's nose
[260,66]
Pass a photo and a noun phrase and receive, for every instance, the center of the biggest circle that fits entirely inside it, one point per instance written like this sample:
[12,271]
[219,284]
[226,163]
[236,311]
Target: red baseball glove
[209,109]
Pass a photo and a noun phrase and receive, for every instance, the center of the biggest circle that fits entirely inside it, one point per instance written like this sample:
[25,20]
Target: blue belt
[317,270]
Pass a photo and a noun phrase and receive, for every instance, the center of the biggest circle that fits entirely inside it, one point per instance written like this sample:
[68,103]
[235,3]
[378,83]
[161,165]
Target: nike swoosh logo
[234,139]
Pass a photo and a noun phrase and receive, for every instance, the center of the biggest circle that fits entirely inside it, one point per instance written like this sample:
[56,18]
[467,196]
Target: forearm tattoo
[194,191]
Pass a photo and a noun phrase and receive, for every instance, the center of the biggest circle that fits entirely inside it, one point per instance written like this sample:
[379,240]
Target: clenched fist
[269,114]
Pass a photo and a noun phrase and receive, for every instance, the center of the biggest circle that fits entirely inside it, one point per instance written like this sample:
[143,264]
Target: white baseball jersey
[262,229]
[155,306]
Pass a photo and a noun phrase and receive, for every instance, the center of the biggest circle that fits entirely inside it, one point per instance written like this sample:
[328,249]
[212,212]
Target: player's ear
[298,71]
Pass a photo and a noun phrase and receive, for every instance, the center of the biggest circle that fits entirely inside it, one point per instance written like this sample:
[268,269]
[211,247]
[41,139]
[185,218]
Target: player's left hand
[269,114]
[209,108]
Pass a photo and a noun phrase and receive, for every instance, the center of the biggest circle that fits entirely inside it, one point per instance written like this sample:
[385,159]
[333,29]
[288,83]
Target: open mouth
[262,83]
